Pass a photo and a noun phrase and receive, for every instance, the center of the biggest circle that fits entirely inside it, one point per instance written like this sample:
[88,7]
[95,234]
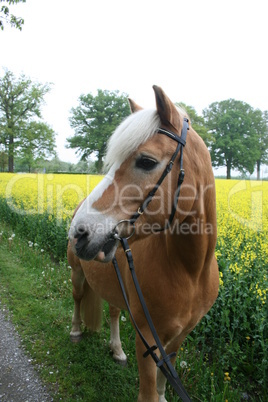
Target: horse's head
[137,156]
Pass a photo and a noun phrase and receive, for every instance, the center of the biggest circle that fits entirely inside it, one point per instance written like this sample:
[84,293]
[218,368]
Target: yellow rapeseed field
[56,194]
[242,218]
[243,202]
[242,209]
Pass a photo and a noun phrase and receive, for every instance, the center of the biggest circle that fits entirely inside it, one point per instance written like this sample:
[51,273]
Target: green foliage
[56,165]
[94,121]
[237,129]
[261,126]
[233,336]
[3,161]
[37,142]
[20,104]
[38,294]
[43,229]
[7,18]
[198,123]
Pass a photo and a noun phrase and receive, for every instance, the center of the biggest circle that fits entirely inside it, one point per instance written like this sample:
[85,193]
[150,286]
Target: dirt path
[19,382]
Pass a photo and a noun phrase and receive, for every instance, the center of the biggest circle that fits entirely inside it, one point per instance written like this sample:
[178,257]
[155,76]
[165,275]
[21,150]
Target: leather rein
[163,363]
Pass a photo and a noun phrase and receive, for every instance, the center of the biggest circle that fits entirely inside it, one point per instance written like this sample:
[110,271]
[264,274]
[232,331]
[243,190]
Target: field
[223,359]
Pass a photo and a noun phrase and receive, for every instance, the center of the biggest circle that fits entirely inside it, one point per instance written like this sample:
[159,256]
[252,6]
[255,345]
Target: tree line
[235,133]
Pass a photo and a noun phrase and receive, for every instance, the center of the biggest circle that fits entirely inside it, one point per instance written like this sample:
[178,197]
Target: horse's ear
[166,109]
[133,106]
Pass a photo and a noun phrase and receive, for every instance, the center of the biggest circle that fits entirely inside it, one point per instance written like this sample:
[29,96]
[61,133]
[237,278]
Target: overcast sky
[198,51]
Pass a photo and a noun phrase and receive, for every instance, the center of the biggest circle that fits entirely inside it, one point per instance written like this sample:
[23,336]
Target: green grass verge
[38,293]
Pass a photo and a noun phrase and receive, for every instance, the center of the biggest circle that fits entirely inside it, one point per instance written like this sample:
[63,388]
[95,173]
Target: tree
[94,120]
[3,161]
[198,123]
[235,136]
[37,142]
[20,103]
[261,126]
[8,18]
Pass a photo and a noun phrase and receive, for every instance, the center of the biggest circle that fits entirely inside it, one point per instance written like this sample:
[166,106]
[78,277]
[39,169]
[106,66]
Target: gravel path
[19,381]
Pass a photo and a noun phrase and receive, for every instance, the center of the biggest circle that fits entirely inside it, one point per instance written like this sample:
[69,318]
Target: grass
[38,295]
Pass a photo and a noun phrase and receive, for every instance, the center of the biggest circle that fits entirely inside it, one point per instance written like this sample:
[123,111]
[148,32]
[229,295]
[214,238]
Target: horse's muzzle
[88,246]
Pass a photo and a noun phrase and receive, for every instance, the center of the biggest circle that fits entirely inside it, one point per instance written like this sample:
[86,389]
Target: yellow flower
[242,216]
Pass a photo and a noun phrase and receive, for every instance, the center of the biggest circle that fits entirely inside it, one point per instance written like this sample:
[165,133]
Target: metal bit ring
[116,235]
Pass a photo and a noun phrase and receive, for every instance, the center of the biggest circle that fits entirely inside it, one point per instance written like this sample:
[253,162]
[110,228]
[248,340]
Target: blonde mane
[132,132]
[135,130]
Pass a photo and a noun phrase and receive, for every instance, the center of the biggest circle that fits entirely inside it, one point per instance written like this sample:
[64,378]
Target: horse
[175,263]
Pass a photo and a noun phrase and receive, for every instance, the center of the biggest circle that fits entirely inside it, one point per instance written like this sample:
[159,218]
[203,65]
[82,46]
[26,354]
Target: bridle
[164,364]
[181,143]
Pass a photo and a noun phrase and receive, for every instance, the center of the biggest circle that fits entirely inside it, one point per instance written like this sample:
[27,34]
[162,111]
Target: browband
[173,136]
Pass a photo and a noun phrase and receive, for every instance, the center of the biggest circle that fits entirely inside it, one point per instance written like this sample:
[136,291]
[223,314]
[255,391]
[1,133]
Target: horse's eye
[146,163]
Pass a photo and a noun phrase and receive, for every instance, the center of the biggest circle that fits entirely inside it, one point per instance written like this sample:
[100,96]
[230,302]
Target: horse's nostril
[81,231]
[82,241]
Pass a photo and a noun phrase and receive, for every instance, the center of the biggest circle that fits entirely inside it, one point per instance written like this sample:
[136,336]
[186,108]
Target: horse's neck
[192,242]
[192,238]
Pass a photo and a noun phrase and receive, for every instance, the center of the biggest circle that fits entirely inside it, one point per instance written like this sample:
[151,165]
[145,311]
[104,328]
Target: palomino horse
[176,267]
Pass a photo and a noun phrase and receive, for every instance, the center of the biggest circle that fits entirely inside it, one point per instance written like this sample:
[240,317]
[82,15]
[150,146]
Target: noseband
[164,364]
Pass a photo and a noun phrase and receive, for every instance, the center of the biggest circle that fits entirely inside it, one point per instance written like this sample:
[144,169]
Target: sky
[198,51]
